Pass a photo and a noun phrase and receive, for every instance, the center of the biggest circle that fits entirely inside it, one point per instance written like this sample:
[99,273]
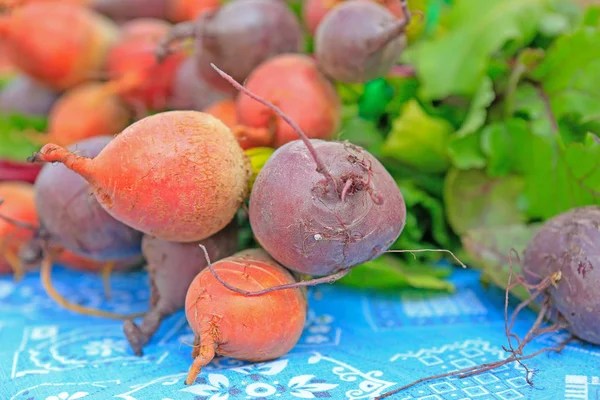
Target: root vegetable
[140,80]
[359,41]
[86,111]
[314,11]
[239,36]
[246,328]
[294,83]
[172,268]
[72,216]
[171,10]
[177,175]
[321,208]
[25,96]
[80,39]
[18,205]
[566,252]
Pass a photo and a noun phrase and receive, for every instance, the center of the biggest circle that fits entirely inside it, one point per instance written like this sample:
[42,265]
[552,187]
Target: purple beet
[23,95]
[72,217]
[239,36]
[359,41]
[172,268]
[191,92]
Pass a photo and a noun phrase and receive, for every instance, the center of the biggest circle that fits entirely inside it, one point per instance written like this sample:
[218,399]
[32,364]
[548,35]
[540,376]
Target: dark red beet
[241,35]
[71,215]
[309,226]
[25,96]
[359,41]
[568,247]
[15,171]
[172,267]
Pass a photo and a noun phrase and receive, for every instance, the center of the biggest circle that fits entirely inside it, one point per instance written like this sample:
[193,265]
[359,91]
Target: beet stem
[181,31]
[394,30]
[320,166]
[311,282]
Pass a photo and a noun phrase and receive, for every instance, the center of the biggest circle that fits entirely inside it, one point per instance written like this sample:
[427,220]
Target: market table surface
[357,344]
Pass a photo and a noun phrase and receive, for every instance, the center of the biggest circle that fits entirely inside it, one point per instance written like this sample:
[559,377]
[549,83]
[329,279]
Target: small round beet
[295,84]
[569,245]
[241,35]
[226,323]
[359,41]
[308,226]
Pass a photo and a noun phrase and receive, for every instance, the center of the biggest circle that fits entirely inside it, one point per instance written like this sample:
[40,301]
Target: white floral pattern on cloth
[355,345]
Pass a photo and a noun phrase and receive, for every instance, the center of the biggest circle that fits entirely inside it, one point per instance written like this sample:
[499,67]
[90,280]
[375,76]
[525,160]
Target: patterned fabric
[356,345]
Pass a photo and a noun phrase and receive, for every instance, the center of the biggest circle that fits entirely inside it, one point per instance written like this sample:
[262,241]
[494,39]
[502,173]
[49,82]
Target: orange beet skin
[19,205]
[294,84]
[176,175]
[58,44]
[256,328]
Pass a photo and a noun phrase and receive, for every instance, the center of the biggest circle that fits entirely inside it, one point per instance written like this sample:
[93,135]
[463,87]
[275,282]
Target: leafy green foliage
[14,144]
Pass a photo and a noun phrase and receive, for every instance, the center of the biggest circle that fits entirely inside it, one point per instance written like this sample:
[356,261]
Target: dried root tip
[139,336]
[46,276]
[312,282]
[205,354]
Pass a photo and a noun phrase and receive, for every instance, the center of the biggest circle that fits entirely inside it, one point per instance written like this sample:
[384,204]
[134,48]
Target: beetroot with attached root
[567,250]
[71,215]
[359,41]
[230,324]
[172,267]
[239,36]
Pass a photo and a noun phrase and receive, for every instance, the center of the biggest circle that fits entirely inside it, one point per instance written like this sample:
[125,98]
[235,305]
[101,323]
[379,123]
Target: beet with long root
[172,267]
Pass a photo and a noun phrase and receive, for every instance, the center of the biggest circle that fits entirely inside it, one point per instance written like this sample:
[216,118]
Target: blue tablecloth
[356,345]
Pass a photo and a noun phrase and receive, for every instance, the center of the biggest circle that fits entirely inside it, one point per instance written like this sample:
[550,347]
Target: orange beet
[226,111]
[176,175]
[86,111]
[293,83]
[58,44]
[19,205]
[189,10]
[140,79]
[257,328]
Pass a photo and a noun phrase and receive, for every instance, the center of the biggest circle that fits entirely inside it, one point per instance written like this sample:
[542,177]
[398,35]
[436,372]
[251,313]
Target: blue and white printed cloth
[356,345]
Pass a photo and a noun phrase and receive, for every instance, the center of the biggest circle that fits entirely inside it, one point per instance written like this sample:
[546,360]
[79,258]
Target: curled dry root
[516,354]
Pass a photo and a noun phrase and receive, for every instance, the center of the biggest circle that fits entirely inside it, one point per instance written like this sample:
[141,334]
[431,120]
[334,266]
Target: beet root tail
[54,153]
[139,336]
[205,354]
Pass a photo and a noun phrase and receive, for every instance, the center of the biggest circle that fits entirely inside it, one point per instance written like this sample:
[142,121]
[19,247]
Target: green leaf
[376,96]
[362,133]
[475,200]
[419,140]
[425,215]
[465,145]
[489,250]
[388,272]
[570,75]
[14,144]
[500,142]
[455,63]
